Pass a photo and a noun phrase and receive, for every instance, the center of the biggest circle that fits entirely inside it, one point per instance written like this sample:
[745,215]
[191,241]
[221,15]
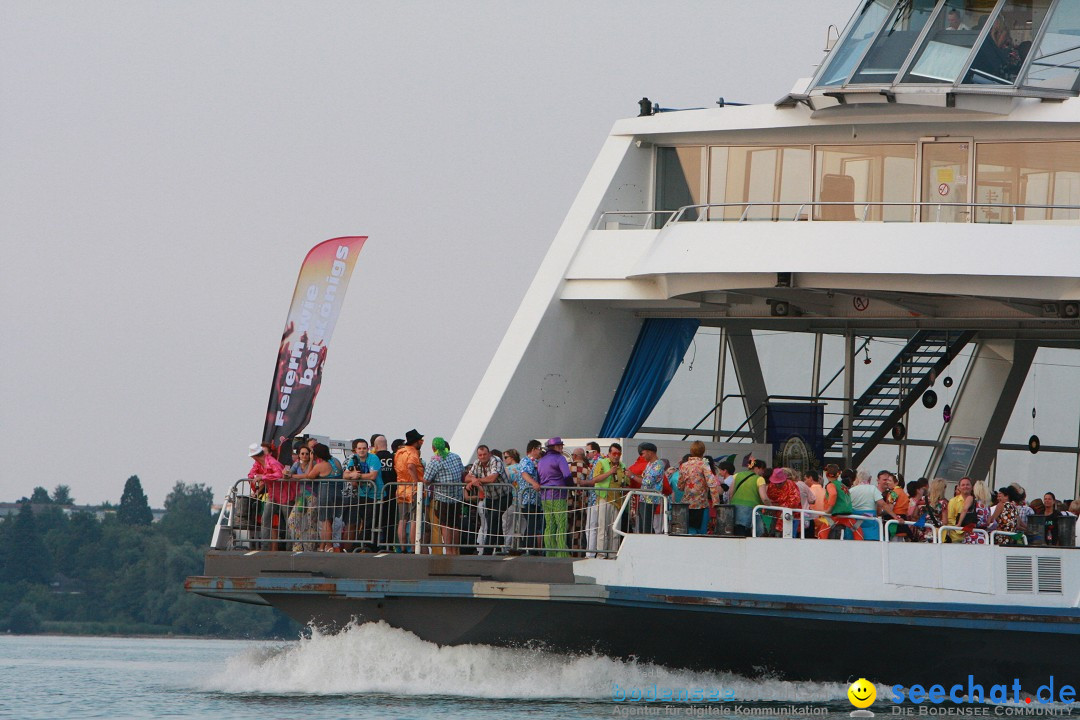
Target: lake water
[372,671]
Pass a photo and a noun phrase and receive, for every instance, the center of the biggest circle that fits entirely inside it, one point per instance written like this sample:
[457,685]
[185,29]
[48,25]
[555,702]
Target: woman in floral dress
[699,486]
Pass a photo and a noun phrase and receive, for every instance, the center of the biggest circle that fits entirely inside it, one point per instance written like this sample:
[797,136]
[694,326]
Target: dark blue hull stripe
[967,615]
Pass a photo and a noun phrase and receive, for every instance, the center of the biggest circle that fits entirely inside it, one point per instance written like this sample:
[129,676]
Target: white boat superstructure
[868,205]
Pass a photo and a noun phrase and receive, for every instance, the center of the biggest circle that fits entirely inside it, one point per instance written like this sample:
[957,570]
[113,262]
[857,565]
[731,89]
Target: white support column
[815,379]
[721,369]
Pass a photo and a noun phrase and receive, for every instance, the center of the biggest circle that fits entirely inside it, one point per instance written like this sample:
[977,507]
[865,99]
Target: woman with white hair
[864,497]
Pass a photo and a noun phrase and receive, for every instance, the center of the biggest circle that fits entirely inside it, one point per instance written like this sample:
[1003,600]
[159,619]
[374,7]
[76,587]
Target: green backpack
[843,499]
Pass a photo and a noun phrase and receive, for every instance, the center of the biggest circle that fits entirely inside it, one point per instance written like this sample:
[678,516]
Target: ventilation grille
[1019,577]
[1050,575]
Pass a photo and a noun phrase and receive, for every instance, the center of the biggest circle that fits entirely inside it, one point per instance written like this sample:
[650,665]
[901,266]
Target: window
[1007,43]
[1027,174]
[1056,62]
[779,175]
[680,180]
[863,30]
[888,53]
[865,174]
[953,32]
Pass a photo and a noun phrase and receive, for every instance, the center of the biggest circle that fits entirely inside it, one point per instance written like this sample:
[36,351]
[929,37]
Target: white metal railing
[921,211]
[804,514]
[421,518]
[957,528]
[648,215]
[384,522]
[628,503]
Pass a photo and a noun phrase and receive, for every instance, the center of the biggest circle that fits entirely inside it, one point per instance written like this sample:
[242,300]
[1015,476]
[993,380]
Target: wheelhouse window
[1034,173]
[851,174]
[1007,42]
[1056,62]
[893,44]
[864,28]
[970,43]
[945,49]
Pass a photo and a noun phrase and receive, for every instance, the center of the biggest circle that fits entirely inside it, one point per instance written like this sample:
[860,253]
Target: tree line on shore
[66,570]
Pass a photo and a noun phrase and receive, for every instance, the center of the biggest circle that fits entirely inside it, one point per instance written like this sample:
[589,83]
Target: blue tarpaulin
[657,354]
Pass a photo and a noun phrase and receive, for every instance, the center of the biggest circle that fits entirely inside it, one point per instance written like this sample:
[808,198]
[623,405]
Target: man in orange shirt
[410,474]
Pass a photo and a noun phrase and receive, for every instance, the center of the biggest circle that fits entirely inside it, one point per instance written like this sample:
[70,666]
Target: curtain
[657,354]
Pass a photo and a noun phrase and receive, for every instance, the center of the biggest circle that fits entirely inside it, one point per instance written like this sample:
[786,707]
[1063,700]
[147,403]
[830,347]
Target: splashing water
[376,658]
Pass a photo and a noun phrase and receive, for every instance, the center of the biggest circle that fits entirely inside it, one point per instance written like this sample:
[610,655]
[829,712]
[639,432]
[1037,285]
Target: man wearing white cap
[265,475]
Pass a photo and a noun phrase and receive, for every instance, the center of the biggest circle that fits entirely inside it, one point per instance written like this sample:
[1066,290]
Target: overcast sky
[165,166]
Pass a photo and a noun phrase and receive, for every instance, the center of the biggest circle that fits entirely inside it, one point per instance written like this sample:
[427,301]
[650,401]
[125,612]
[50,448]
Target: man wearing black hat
[410,474]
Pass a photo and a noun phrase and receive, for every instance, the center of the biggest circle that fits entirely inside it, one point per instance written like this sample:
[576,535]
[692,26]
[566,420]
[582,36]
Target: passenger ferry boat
[920,192]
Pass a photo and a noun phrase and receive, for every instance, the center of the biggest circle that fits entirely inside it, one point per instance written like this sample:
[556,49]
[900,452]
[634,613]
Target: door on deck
[946,178]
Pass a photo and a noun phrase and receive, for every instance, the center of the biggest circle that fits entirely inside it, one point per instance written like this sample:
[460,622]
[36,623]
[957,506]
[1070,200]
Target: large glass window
[762,176]
[680,180]
[845,57]
[888,53]
[948,43]
[852,174]
[1056,62]
[1027,174]
[1008,43]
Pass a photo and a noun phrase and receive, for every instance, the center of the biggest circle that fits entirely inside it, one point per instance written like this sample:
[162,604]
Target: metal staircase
[899,386]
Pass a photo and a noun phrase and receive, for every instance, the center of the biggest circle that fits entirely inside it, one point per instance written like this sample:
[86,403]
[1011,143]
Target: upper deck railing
[846,211]
[447,518]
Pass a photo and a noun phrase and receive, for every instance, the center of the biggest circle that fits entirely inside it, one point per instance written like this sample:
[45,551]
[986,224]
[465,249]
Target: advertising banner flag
[317,300]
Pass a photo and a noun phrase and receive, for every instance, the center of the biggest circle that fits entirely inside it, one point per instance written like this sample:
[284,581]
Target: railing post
[849,393]
[418,520]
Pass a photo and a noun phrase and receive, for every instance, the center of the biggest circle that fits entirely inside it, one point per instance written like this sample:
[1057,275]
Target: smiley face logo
[862,693]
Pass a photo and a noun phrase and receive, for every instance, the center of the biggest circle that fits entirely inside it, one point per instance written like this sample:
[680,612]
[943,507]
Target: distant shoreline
[140,636]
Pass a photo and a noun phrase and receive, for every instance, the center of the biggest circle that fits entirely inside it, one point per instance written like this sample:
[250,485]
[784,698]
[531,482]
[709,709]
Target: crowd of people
[559,503]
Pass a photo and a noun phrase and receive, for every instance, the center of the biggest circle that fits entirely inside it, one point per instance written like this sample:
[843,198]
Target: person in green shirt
[748,490]
[608,472]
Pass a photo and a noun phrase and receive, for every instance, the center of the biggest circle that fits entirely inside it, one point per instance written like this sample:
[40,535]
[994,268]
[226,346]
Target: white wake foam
[376,658]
